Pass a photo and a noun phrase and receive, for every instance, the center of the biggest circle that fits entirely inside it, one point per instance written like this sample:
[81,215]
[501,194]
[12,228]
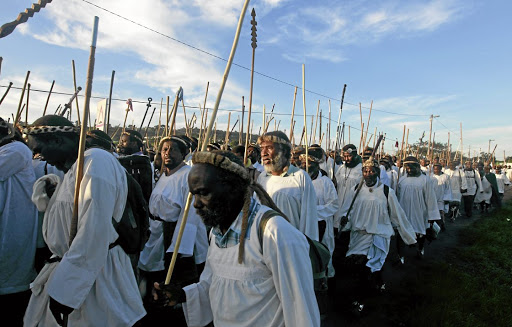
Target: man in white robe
[443,191]
[90,281]
[245,282]
[371,220]
[418,199]
[484,198]
[18,227]
[288,186]
[474,182]
[502,181]
[458,185]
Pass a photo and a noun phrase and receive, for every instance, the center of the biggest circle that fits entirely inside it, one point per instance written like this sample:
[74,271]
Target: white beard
[276,164]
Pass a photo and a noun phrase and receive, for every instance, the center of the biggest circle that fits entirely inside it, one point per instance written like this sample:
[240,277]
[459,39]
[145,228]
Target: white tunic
[457,182]
[167,202]
[18,222]
[347,178]
[327,201]
[473,180]
[502,180]
[371,223]
[393,177]
[486,195]
[294,194]
[328,166]
[418,199]
[443,190]
[97,282]
[270,289]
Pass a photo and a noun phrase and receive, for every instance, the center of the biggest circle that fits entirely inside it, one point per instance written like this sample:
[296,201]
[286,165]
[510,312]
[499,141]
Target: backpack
[133,228]
[319,254]
[139,167]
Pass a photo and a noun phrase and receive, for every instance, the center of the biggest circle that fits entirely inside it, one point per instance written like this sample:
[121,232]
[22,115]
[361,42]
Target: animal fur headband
[50,129]
[220,161]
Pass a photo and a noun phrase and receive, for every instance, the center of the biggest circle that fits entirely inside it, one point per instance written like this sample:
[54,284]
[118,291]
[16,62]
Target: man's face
[55,150]
[452,165]
[467,165]
[423,163]
[313,167]
[125,146]
[171,154]
[437,170]
[413,170]
[212,197]
[370,175]
[253,154]
[443,162]
[348,157]
[272,158]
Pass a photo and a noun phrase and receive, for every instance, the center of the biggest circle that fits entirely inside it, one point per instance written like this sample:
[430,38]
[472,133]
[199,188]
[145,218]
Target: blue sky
[411,58]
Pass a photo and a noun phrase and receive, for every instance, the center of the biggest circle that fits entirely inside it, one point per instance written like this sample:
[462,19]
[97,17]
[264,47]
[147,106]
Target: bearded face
[272,157]
[370,175]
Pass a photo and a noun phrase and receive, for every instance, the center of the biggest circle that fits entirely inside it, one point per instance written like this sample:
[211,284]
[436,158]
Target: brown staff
[5,94]
[253,45]
[48,98]
[208,132]
[74,84]
[293,112]
[18,112]
[68,105]
[110,99]
[177,99]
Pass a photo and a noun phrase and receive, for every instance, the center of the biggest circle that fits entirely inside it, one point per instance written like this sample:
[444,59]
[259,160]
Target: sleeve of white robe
[331,201]
[349,197]
[447,190]
[308,211]
[478,180]
[464,182]
[197,308]
[285,252]
[399,219]
[431,201]
[12,163]
[77,272]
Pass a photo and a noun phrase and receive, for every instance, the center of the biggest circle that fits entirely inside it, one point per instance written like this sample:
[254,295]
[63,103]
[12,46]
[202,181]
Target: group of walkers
[244,252]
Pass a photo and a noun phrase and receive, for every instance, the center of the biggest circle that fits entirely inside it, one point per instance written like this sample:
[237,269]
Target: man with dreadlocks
[90,280]
[418,199]
[288,186]
[245,282]
[374,211]
[18,228]
[167,204]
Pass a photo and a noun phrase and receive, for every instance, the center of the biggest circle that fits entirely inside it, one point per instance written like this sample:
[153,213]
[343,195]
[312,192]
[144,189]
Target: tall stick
[253,45]
[47,99]
[167,118]
[177,98]
[305,120]
[28,98]
[226,140]
[185,117]
[368,124]
[110,99]
[208,132]
[316,123]
[159,123]
[7,91]
[81,147]
[76,99]
[328,138]
[241,136]
[293,112]
[18,112]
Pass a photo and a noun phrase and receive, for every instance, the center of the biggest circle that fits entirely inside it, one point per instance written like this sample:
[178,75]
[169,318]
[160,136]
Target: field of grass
[471,286]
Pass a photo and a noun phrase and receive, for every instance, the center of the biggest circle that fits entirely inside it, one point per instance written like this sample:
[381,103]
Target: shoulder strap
[386,193]
[263,224]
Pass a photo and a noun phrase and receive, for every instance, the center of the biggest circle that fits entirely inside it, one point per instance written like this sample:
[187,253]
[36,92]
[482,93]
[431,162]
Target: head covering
[371,162]
[350,148]
[315,154]
[51,124]
[134,135]
[275,137]
[100,138]
[6,131]
[255,146]
[411,160]
[215,146]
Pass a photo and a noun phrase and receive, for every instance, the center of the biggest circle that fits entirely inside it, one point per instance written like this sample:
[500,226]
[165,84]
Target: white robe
[443,191]
[294,194]
[347,178]
[486,195]
[418,199]
[502,180]
[167,202]
[97,282]
[393,178]
[327,206]
[371,224]
[328,167]
[18,219]
[457,182]
[473,180]
[270,289]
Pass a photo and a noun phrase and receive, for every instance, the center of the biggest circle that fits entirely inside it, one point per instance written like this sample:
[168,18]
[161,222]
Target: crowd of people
[244,252]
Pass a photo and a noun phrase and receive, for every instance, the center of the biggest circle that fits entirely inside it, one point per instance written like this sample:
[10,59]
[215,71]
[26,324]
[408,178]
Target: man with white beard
[289,186]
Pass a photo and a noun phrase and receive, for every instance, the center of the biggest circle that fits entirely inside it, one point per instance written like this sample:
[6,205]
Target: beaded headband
[138,138]
[371,163]
[172,138]
[310,158]
[50,129]
[273,139]
[220,161]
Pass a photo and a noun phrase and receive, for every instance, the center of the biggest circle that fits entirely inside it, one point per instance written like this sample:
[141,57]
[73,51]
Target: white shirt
[270,289]
[97,282]
[347,178]
[418,199]
[18,222]
[457,182]
[294,194]
[442,189]
[473,180]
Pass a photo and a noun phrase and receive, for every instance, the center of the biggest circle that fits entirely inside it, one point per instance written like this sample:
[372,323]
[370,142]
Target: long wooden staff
[110,99]
[293,112]
[305,118]
[226,139]
[368,124]
[208,132]
[407,143]
[76,99]
[128,108]
[7,91]
[328,138]
[316,123]
[28,98]
[177,99]
[18,112]
[253,45]
[159,124]
[47,99]
[401,157]
[148,105]
[149,122]
[83,127]
[187,127]
[241,133]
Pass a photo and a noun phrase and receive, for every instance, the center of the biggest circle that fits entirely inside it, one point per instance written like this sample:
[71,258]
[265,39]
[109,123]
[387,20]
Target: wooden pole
[7,91]
[253,45]
[241,136]
[293,112]
[407,143]
[18,112]
[177,98]
[47,99]
[159,124]
[76,98]
[187,132]
[110,99]
[316,123]
[368,124]
[81,147]
[328,139]
[226,140]
[168,115]
[208,132]
[305,120]
[28,98]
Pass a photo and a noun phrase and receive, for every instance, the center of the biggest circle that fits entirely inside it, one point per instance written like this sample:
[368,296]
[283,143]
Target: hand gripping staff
[205,143]
[342,223]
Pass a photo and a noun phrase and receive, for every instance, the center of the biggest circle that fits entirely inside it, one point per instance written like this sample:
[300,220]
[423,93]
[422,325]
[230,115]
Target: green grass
[472,287]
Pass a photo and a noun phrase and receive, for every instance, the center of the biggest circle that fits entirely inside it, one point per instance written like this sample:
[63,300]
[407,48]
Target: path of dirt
[378,310]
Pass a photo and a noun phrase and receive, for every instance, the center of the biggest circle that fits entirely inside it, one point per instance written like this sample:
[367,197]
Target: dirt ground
[381,309]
